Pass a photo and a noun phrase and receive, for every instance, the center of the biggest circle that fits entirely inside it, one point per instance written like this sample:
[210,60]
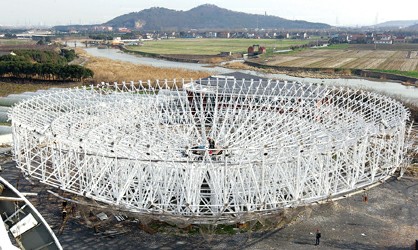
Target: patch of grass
[13,42]
[214,46]
[225,229]
[7,88]
[5,124]
[194,230]
[291,52]
[337,46]
[398,72]
[158,226]
[239,65]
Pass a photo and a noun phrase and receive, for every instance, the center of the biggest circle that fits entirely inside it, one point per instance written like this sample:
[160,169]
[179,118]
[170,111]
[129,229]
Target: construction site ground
[387,220]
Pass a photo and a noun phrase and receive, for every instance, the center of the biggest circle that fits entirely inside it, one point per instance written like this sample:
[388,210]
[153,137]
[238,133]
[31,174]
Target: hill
[413,27]
[205,17]
[397,24]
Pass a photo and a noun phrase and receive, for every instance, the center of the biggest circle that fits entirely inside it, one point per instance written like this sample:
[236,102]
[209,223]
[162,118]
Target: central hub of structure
[211,150]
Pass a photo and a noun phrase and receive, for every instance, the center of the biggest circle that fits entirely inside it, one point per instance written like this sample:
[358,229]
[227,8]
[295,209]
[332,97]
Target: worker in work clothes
[317,236]
[211,143]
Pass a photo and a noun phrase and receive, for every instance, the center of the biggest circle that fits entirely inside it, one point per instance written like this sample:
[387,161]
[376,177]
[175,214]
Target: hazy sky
[334,12]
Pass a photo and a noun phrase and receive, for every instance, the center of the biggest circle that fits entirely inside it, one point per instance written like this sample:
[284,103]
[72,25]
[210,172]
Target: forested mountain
[205,17]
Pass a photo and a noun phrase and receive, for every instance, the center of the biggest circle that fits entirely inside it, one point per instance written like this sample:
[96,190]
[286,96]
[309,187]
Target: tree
[46,65]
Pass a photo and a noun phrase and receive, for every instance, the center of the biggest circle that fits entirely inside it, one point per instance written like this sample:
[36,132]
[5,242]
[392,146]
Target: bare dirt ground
[347,58]
[388,220]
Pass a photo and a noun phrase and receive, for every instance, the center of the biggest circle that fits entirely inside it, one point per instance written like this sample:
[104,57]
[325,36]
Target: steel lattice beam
[209,151]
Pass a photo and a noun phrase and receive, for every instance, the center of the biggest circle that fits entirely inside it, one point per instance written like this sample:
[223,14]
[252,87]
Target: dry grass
[7,88]
[321,74]
[238,65]
[215,60]
[107,70]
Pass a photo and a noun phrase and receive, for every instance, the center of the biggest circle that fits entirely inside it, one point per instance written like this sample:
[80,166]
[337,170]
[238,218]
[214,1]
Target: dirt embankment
[324,72]
[414,111]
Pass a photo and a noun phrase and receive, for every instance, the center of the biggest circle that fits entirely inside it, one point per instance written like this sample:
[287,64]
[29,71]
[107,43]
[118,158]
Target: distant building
[356,38]
[338,38]
[123,29]
[117,41]
[250,50]
[224,35]
[188,34]
[399,39]
[383,39]
[210,34]
[256,50]
[102,28]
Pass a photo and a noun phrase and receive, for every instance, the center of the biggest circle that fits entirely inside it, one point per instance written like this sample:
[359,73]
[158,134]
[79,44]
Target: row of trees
[43,65]
[41,56]
[44,71]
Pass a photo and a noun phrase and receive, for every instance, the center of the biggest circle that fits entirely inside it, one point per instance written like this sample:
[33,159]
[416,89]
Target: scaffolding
[209,151]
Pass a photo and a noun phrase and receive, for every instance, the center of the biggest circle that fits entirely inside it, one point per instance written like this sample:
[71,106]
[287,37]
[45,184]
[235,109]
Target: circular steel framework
[209,151]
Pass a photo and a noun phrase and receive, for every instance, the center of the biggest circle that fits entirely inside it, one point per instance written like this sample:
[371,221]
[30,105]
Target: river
[406,93]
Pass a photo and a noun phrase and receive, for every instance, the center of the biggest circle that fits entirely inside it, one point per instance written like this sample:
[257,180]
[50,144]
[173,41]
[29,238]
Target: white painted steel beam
[209,151]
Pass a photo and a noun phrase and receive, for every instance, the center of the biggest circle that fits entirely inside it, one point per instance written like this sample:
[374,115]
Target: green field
[13,42]
[211,46]
[398,72]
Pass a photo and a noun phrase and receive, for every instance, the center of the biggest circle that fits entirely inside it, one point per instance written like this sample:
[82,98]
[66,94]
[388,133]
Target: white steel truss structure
[209,151]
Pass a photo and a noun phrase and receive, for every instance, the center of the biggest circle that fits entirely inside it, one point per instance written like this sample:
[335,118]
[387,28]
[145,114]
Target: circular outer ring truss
[209,151]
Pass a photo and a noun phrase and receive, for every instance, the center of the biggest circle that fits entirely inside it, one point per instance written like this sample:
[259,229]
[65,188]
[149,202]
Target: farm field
[402,58]
[7,45]
[212,46]
[12,42]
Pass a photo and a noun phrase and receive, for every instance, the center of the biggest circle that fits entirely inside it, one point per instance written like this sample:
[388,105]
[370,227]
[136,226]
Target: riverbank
[244,65]
[108,70]
[333,72]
